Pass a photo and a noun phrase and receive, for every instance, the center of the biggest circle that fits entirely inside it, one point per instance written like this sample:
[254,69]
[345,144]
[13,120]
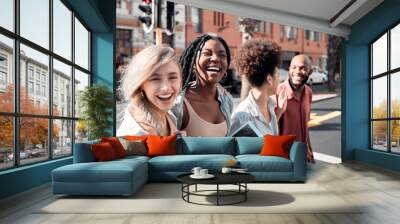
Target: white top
[248,111]
[130,126]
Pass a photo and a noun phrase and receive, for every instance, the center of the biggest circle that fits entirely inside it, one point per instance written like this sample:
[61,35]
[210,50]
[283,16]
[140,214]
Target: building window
[54,131]
[385,96]
[196,19]
[218,19]
[124,41]
[3,71]
[30,72]
[289,32]
[312,35]
[38,89]
[3,78]
[30,87]
[263,27]
[44,91]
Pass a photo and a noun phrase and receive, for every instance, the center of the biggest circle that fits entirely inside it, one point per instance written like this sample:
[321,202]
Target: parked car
[317,77]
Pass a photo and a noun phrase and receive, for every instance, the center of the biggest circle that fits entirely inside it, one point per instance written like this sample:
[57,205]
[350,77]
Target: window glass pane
[379,55]
[7,14]
[81,131]
[379,98]
[81,45]
[34,96]
[379,135]
[35,21]
[62,89]
[6,142]
[395,47]
[6,74]
[62,29]
[395,95]
[33,139]
[81,81]
[395,136]
[62,141]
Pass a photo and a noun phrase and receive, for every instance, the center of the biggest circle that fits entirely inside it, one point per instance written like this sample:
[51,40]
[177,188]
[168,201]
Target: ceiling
[329,16]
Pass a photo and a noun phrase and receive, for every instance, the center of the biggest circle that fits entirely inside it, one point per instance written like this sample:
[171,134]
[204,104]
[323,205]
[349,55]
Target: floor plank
[376,190]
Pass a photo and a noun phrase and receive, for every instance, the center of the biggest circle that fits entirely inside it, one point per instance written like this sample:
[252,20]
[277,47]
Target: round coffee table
[238,179]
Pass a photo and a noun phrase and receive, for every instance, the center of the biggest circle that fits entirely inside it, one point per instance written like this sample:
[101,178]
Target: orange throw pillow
[103,151]
[161,145]
[277,145]
[136,137]
[116,145]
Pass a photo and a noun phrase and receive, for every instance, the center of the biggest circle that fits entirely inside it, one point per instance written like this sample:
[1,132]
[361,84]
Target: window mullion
[50,81]
[16,84]
[73,81]
[389,113]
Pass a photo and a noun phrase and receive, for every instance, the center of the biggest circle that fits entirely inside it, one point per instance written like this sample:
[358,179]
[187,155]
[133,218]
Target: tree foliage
[96,103]
[33,130]
[380,127]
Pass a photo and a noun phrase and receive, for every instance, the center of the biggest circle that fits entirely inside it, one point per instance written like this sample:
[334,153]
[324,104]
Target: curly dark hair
[190,54]
[256,59]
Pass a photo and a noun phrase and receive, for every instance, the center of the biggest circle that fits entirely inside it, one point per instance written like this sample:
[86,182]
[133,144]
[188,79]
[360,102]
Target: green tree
[97,102]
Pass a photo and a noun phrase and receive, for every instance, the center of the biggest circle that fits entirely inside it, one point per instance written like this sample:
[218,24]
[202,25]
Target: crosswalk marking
[316,120]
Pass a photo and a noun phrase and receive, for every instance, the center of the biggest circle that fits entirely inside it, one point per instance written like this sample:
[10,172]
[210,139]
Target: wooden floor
[378,189]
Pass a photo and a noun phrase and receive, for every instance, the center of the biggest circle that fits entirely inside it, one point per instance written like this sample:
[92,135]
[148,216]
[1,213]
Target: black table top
[220,178]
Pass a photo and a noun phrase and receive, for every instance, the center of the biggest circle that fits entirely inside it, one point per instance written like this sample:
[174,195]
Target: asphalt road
[326,137]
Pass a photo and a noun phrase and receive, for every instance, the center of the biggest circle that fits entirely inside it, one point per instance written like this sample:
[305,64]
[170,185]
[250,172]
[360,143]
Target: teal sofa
[125,176]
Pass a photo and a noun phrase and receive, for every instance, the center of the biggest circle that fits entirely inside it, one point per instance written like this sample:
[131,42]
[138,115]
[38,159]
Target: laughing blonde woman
[150,85]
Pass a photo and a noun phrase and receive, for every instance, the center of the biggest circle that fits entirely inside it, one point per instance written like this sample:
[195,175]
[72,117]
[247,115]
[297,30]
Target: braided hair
[191,53]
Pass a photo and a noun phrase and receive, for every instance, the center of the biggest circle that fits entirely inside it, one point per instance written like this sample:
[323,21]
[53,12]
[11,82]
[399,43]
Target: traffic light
[149,15]
[170,16]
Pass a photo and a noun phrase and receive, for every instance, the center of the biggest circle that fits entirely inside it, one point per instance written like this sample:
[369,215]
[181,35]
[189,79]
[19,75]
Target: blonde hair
[142,67]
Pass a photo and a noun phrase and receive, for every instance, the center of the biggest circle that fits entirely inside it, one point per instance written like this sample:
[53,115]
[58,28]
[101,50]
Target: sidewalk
[315,98]
[323,96]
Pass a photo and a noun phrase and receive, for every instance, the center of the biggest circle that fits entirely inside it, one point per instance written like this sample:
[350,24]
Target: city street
[325,134]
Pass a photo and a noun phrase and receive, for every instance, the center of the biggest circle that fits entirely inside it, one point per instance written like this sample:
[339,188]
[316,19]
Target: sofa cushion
[206,145]
[134,147]
[83,152]
[257,163]
[277,145]
[185,163]
[249,145]
[161,145]
[116,145]
[103,152]
[112,171]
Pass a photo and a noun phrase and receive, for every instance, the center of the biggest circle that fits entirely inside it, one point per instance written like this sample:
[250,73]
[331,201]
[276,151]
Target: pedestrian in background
[297,114]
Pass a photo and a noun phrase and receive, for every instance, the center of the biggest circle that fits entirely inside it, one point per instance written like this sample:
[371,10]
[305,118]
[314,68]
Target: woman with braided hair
[204,107]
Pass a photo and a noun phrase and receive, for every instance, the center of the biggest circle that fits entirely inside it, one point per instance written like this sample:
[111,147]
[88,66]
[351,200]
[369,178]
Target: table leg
[245,191]
[217,194]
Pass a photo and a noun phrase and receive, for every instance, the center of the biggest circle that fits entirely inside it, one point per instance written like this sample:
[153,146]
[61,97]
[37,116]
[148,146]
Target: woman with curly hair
[258,61]
[204,107]
[150,84]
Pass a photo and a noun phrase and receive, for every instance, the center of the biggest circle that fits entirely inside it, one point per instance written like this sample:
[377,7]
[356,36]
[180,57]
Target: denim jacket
[225,100]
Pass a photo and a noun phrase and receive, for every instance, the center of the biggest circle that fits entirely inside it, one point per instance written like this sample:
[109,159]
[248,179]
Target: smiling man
[294,120]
